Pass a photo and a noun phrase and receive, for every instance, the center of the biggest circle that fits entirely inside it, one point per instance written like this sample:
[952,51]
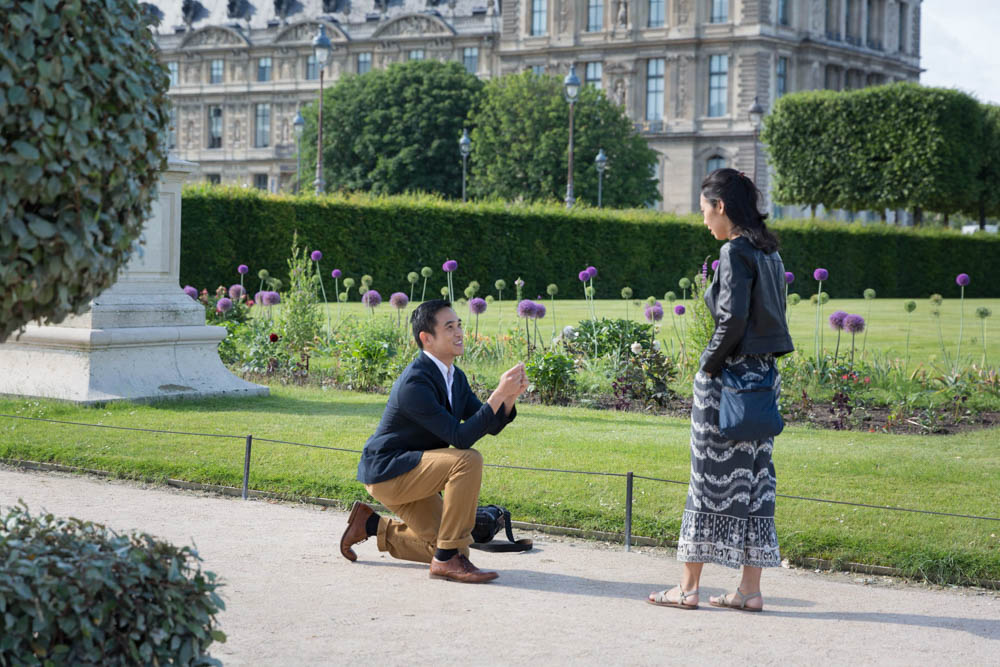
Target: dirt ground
[293,600]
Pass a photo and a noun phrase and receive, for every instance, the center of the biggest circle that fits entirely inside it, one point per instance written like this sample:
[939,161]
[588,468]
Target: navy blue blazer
[417,418]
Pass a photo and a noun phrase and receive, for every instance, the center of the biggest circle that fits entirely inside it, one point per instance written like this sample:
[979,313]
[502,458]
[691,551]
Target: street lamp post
[602,163]
[298,124]
[321,48]
[572,85]
[756,113]
[464,146]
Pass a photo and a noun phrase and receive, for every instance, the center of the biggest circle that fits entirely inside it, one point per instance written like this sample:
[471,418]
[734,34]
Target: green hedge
[388,237]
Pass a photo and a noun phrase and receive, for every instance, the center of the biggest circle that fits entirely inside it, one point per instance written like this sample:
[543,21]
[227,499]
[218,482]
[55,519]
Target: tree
[987,202]
[83,116]
[520,144]
[394,130]
[897,146]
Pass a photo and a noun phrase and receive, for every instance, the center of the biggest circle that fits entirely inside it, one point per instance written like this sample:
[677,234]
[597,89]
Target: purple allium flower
[526,308]
[715,265]
[236,291]
[789,277]
[583,276]
[679,309]
[269,298]
[654,313]
[449,266]
[837,320]
[519,283]
[962,279]
[316,255]
[336,273]
[592,271]
[243,269]
[191,292]
[260,297]
[398,300]
[539,311]
[477,306]
[371,298]
[224,305]
[821,274]
[854,323]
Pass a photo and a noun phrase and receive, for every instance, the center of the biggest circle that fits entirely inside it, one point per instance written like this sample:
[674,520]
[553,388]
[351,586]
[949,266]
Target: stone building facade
[685,71]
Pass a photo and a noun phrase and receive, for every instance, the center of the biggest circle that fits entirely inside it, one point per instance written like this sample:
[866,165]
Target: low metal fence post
[628,511]
[246,467]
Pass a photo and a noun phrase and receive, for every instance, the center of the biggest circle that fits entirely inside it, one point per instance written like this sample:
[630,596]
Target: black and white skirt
[729,515]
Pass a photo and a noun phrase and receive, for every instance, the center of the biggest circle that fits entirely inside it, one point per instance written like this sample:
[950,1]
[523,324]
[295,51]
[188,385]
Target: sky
[960,46]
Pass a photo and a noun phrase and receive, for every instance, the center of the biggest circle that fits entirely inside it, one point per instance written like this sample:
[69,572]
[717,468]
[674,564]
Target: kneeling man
[408,463]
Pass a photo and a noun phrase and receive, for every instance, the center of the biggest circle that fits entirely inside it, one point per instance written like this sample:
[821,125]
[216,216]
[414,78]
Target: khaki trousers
[429,521]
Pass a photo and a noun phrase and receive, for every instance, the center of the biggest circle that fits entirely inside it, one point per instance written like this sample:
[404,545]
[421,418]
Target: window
[782,77]
[262,125]
[595,15]
[720,11]
[215,127]
[783,12]
[260,181]
[538,70]
[312,67]
[654,88]
[172,129]
[364,62]
[833,19]
[470,58]
[538,16]
[172,73]
[215,71]
[714,162]
[656,12]
[718,85]
[831,78]
[593,74]
[264,69]
[213,179]
[904,18]
[415,54]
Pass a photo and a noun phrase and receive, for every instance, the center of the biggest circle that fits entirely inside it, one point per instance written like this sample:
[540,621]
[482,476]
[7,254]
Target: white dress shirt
[448,372]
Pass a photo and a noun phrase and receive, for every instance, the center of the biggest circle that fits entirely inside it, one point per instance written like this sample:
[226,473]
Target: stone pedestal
[142,339]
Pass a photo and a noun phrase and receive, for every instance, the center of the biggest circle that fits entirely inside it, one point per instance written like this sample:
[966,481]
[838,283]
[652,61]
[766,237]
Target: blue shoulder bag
[748,409]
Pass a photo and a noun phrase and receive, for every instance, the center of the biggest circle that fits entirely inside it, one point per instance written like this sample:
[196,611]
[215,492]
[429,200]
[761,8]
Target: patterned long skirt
[729,515]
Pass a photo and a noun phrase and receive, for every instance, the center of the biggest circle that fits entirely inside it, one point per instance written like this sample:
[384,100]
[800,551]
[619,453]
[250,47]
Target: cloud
[958,47]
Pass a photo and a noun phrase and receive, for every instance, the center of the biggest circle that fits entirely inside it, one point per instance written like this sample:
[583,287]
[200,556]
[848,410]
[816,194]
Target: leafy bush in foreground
[76,592]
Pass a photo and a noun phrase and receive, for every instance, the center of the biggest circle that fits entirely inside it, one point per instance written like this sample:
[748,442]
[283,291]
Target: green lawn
[887,324]
[959,473]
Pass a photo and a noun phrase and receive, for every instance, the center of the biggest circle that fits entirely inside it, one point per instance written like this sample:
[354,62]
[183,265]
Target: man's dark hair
[424,317]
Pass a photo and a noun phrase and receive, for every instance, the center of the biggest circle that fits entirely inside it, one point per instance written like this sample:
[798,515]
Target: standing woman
[729,515]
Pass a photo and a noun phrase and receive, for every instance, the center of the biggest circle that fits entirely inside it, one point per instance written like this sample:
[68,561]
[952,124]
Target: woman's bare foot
[739,600]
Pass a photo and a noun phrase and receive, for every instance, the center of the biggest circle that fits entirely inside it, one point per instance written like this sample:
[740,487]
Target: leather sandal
[741,605]
[660,599]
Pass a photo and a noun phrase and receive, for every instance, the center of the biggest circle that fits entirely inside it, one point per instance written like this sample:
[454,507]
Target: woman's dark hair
[425,317]
[741,200]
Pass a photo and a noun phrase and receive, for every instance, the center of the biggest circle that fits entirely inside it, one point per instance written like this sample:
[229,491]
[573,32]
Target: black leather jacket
[747,301]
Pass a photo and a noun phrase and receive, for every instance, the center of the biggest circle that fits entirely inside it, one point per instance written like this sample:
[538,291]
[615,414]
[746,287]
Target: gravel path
[293,600]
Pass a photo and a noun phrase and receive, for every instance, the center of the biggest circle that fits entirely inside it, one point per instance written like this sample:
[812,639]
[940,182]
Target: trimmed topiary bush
[75,592]
[83,111]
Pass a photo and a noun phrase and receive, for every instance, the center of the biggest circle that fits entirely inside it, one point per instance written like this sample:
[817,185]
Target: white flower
[569,333]
[636,348]
[656,345]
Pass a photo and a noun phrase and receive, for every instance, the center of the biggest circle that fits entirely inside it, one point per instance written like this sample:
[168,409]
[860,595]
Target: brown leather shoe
[355,531]
[458,568]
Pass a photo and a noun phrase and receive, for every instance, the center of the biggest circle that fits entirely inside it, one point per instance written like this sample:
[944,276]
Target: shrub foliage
[649,251]
[83,107]
[75,592]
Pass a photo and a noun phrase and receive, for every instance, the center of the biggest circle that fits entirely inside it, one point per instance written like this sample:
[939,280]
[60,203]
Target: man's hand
[514,382]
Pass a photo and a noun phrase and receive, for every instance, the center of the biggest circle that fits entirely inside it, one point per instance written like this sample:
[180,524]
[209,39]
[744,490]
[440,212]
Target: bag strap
[512,545]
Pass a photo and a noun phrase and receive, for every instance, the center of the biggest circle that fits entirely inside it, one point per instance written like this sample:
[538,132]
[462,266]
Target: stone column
[142,339]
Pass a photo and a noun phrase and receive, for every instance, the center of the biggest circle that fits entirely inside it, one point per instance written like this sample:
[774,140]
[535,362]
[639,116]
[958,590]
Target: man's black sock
[371,525]
[445,554]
